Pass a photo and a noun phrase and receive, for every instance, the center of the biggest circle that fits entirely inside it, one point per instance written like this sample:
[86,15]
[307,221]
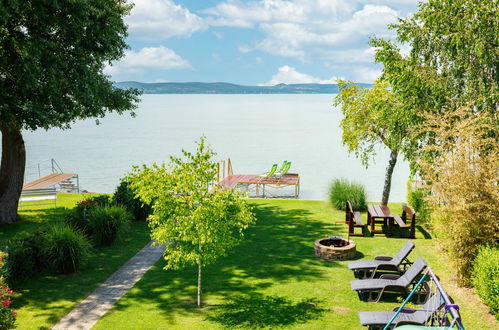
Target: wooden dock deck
[232,181]
[48,181]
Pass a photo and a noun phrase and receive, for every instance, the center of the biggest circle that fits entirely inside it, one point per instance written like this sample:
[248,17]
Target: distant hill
[228,88]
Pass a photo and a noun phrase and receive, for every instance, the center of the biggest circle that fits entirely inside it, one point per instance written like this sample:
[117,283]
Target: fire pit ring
[335,248]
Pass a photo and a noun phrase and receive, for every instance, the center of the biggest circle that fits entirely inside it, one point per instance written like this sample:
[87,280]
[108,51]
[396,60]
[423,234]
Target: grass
[273,280]
[42,301]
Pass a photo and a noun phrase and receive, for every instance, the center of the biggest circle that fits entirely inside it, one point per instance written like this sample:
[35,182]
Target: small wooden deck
[49,181]
[232,181]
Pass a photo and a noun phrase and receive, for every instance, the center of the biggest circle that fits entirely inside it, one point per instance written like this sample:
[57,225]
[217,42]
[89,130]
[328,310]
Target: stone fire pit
[335,248]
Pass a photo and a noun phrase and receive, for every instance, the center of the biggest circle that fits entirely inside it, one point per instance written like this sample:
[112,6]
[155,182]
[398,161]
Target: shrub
[416,198]
[78,216]
[24,260]
[64,248]
[107,223]
[485,277]
[7,315]
[342,191]
[124,196]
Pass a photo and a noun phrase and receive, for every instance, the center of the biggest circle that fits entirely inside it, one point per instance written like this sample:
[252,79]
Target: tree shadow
[423,231]
[258,311]
[278,248]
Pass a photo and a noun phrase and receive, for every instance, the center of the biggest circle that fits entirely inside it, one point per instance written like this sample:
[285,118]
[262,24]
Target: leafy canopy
[52,55]
[371,116]
[196,219]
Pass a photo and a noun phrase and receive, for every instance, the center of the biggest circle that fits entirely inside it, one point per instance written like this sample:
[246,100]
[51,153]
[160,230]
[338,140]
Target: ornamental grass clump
[485,277]
[107,223]
[463,170]
[7,314]
[124,196]
[64,248]
[343,190]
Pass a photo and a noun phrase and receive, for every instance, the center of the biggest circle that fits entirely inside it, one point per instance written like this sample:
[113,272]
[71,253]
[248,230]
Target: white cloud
[161,19]
[288,75]
[364,74]
[309,30]
[160,58]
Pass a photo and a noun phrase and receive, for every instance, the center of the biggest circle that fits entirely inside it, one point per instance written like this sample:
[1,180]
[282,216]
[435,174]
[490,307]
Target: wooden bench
[406,229]
[46,196]
[352,218]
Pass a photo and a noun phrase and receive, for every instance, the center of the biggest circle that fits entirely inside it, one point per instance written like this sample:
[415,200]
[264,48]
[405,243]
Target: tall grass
[342,190]
[64,248]
[107,223]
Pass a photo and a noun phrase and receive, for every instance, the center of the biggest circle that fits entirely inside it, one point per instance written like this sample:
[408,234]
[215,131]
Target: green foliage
[64,249]
[485,277]
[50,79]
[107,223]
[342,190]
[416,197]
[124,196]
[25,260]
[373,116]
[78,216]
[7,315]
[198,221]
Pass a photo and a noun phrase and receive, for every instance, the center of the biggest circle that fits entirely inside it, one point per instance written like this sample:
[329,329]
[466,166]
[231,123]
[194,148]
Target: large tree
[52,55]
[198,220]
[373,116]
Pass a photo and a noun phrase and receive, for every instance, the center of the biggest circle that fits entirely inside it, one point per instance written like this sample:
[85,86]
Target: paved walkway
[90,310]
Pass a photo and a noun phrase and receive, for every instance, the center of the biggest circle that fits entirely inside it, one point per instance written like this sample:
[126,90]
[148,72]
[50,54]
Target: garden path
[91,309]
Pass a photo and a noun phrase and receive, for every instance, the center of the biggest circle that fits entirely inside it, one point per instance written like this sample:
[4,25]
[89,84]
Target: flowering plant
[7,314]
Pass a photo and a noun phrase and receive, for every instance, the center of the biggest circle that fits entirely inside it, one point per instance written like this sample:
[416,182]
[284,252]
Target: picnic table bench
[352,218]
[408,214]
[380,214]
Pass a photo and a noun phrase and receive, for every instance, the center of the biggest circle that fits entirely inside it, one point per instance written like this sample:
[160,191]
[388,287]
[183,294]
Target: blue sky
[255,42]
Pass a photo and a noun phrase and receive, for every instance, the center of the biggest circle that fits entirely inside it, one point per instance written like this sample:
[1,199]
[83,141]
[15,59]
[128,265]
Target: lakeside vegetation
[271,279]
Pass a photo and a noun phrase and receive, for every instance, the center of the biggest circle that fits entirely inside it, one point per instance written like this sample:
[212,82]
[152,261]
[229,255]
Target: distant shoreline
[228,88]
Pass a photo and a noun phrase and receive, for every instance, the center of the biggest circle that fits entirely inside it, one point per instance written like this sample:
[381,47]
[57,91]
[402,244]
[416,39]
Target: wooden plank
[48,181]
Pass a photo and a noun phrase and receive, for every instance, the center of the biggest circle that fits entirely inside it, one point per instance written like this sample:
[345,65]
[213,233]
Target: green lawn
[273,280]
[42,301]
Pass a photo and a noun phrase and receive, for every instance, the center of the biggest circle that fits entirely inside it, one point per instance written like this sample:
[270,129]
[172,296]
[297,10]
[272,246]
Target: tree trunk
[388,176]
[11,173]
[199,284]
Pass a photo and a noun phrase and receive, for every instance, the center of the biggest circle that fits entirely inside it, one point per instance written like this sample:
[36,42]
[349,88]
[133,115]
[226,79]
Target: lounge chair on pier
[271,172]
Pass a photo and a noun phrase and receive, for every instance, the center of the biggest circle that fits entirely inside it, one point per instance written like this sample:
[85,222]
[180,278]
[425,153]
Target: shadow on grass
[259,311]
[278,248]
[423,231]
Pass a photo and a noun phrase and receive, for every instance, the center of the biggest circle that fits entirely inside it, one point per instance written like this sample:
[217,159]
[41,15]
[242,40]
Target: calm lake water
[255,131]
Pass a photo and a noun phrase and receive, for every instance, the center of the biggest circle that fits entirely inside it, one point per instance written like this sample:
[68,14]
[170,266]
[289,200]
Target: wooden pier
[261,182]
[61,180]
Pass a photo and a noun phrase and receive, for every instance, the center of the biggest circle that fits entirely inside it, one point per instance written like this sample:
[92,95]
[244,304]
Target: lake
[254,131]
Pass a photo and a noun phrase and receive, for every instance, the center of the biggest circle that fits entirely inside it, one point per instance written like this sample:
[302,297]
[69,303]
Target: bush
[78,216]
[485,277]
[7,315]
[416,197]
[64,248]
[124,196]
[24,260]
[107,223]
[342,191]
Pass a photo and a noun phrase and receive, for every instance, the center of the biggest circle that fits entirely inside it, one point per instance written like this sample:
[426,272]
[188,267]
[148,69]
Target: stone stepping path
[90,310]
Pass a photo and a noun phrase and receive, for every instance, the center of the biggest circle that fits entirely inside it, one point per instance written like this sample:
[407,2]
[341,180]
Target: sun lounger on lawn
[422,316]
[372,289]
[368,268]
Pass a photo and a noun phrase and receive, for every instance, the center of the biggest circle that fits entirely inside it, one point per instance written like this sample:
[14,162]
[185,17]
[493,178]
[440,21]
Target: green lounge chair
[284,170]
[271,172]
[282,166]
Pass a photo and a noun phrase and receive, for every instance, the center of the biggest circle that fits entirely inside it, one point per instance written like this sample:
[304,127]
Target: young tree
[52,54]
[196,219]
[372,116]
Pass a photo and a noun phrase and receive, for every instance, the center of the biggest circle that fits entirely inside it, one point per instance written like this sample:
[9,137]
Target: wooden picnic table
[380,214]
